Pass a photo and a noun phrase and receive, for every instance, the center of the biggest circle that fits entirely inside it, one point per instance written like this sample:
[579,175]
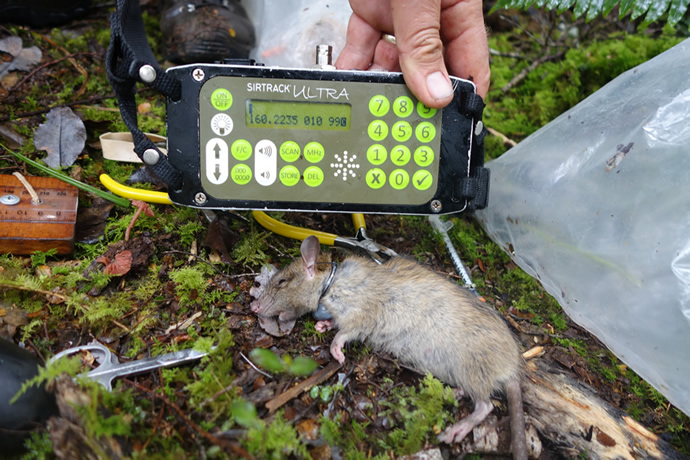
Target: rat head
[295,290]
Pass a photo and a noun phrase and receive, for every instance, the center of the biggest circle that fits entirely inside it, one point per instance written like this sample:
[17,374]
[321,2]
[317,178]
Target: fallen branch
[575,420]
[283,398]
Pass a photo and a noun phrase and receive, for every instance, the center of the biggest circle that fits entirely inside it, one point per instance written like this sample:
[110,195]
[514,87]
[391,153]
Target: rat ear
[310,254]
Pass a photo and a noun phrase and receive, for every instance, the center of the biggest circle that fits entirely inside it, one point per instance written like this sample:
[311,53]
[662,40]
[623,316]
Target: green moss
[190,284]
[276,440]
[555,86]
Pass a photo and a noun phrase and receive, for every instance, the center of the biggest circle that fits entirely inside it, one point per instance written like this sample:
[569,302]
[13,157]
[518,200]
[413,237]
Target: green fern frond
[590,9]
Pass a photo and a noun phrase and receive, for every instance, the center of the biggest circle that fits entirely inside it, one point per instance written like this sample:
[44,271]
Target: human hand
[434,37]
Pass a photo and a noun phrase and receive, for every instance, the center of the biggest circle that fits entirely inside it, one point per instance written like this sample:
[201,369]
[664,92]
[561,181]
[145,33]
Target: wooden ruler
[26,227]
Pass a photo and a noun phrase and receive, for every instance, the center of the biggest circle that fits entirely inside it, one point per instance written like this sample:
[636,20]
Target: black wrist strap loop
[475,188]
[129,60]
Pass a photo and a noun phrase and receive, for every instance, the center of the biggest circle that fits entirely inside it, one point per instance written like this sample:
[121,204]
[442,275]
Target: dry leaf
[21,58]
[63,136]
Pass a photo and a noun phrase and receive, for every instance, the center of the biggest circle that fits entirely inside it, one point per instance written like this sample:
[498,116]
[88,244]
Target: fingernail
[438,86]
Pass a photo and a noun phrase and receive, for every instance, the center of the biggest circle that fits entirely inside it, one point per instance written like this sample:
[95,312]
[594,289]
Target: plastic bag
[596,206]
[287,31]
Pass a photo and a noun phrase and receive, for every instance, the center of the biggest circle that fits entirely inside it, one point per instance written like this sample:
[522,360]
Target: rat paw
[337,353]
[455,433]
[324,325]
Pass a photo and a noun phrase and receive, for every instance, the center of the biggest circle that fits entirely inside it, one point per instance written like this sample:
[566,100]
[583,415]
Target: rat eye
[282,282]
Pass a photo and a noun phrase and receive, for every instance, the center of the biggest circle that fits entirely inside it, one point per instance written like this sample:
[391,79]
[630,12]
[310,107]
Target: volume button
[265,162]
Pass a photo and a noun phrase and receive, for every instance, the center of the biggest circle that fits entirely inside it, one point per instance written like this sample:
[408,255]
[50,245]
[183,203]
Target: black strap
[475,188]
[129,60]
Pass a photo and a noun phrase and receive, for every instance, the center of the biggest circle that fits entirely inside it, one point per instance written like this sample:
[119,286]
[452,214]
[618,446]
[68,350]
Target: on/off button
[265,162]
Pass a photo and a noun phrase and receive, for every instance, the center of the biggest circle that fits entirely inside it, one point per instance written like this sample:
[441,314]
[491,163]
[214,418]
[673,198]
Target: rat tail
[517,420]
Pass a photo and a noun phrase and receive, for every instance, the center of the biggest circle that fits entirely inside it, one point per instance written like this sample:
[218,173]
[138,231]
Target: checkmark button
[422,179]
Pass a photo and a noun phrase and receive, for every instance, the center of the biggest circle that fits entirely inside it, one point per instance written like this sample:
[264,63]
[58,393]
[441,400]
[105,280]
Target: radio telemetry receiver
[246,136]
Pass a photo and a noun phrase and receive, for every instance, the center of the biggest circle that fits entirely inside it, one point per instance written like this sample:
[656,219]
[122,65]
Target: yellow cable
[134,193]
[291,231]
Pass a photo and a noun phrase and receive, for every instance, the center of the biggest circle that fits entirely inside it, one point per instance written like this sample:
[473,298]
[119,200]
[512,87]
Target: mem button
[241,174]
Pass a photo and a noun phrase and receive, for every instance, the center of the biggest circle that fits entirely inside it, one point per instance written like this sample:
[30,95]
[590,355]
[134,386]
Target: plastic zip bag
[596,206]
[289,30]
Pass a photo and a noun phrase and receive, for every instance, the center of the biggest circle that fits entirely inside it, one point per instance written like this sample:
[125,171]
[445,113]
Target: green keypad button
[425,132]
[422,180]
[423,155]
[377,154]
[375,178]
[221,99]
[241,149]
[314,152]
[403,106]
[424,111]
[400,155]
[379,105]
[401,131]
[313,176]
[378,130]
[241,174]
[399,179]
[289,175]
[289,151]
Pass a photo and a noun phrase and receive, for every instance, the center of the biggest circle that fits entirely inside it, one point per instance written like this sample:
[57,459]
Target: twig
[254,366]
[47,64]
[154,429]
[295,391]
[72,61]
[494,52]
[238,450]
[505,139]
[13,285]
[521,76]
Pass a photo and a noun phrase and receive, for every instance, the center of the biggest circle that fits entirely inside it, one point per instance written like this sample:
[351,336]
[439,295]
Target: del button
[313,176]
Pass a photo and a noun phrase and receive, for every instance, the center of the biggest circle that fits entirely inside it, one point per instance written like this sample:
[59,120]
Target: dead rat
[417,315]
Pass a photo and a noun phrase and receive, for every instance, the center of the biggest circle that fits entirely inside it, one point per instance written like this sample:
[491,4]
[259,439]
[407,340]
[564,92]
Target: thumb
[417,32]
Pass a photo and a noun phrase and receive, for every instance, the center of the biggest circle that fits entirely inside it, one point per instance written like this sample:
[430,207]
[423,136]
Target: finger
[360,45]
[467,48]
[420,50]
[385,57]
